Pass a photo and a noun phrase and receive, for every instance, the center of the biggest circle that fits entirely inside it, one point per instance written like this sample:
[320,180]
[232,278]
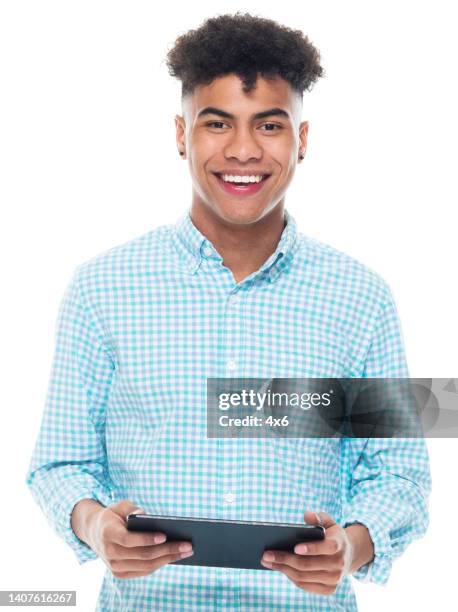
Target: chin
[240,212]
[241,219]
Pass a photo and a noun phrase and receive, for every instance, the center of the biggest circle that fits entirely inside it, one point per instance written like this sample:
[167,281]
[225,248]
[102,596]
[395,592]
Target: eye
[275,125]
[213,123]
[221,123]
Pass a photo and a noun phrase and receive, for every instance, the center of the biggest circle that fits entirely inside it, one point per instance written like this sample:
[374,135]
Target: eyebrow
[211,110]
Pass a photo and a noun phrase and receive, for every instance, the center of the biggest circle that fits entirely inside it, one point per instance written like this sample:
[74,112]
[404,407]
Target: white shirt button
[229,498]
[231,365]
[208,251]
[233,300]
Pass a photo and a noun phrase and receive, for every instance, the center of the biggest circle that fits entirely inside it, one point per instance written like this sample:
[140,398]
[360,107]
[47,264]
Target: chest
[167,332]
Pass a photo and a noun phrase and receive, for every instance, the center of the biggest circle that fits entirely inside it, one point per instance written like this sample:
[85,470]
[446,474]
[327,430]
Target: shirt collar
[193,246]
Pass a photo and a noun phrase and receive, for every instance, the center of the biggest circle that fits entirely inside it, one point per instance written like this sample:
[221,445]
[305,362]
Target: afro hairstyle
[247,46]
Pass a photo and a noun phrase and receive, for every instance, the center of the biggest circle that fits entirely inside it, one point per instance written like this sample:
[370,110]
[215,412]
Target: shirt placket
[231,365]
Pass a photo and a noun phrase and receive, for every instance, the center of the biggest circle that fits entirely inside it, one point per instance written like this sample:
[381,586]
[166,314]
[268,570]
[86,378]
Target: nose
[243,145]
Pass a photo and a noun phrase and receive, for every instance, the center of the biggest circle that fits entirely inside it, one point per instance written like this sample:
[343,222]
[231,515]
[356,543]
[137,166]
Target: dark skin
[318,567]
[245,230]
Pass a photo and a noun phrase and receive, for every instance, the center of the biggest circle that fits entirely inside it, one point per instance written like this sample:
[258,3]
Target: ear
[303,133]
[180,128]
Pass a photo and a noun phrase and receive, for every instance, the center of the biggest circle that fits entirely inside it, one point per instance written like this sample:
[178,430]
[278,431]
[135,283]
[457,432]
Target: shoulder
[341,274]
[128,260]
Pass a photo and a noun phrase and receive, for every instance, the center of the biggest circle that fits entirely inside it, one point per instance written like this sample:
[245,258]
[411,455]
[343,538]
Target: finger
[133,574]
[125,507]
[118,552]
[135,511]
[305,563]
[322,577]
[127,575]
[136,565]
[328,546]
[319,518]
[316,587]
[118,534]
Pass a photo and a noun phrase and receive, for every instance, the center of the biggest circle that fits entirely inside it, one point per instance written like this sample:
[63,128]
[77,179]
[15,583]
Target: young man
[232,289]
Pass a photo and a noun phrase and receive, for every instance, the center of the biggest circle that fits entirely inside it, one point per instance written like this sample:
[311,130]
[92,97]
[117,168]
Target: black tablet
[221,543]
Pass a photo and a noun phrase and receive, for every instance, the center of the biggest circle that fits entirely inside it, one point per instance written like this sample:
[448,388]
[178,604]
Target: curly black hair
[246,45]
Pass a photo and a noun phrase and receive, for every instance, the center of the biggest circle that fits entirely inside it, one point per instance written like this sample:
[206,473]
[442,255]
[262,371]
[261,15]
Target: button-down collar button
[229,498]
[207,251]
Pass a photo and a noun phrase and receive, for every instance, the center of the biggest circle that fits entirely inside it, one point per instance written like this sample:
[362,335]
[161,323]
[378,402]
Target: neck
[244,248]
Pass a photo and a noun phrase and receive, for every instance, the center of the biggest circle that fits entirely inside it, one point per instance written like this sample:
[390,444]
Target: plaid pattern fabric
[140,328]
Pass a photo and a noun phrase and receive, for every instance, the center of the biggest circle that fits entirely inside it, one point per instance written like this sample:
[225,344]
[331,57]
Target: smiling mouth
[220,176]
[241,189]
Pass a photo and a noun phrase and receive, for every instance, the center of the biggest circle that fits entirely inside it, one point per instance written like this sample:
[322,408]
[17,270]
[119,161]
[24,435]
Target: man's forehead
[226,93]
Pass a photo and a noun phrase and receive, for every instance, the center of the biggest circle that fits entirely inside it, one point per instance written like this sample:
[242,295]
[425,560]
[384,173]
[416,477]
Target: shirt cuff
[378,570]
[63,525]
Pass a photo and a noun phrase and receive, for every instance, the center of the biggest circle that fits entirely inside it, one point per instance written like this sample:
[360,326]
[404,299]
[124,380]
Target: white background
[88,161]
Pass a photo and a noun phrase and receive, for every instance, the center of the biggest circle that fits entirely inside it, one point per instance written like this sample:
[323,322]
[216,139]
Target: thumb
[318,518]
[125,507]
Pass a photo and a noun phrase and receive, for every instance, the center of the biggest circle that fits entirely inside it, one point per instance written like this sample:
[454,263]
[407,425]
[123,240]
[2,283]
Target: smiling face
[228,134]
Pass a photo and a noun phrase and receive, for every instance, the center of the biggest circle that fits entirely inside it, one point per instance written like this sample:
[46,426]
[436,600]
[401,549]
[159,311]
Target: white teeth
[228,178]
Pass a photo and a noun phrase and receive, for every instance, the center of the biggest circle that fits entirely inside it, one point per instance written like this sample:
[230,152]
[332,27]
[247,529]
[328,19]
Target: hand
[128,554]
[317,566]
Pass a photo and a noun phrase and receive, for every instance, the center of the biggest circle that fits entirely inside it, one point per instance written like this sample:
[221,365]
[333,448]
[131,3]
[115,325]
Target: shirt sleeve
[69,460]
[386,481]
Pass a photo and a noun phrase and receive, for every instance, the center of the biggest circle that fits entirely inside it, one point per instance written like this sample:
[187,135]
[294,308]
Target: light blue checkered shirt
[140,328]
